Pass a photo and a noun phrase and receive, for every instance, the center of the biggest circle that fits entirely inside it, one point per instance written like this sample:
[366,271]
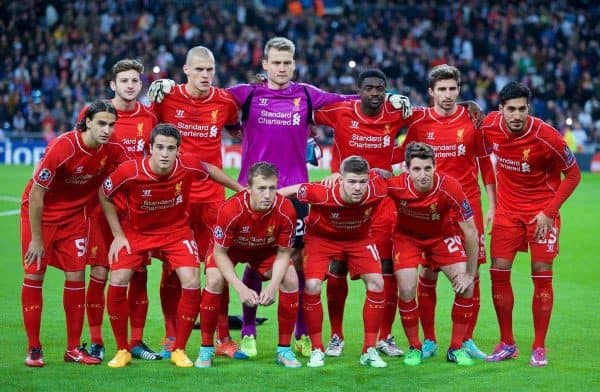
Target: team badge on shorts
[44,174]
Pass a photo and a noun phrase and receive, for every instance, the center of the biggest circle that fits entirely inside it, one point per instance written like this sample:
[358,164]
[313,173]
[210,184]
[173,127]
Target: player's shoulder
[492,120]
[543,129]
[145,111]
[65,143]
[448,183]
[397,182]
[284,206]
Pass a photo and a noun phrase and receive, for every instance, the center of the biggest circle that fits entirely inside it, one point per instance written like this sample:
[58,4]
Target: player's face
[262,192]
[200,72]
[279,66]
[421,173]
[164,152]
[444,94]
[127,85]
[100,128]
[354,186]
[514,112]
[372,93]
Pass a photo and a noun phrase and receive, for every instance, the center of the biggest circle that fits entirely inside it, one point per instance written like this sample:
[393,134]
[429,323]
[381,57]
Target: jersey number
[80,246]
[191,246]
[453,243]
[300,227]
[373,249]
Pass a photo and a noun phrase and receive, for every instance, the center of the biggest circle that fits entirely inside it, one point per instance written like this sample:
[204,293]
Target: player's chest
[520,156]
[83,168]
[149,191]
[214,113]
[134,134]
[257,231]
[354,134]
[431,208]
[448,141]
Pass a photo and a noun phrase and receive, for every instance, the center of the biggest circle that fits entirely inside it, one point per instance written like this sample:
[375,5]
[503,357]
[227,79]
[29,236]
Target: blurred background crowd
[56,55]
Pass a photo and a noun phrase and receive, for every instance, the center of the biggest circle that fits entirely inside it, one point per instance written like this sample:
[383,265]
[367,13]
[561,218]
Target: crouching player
[255,226]
[338,229]
[145,202]
[430,207]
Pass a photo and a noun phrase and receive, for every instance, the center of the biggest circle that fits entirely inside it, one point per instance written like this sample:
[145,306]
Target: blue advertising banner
[21,153]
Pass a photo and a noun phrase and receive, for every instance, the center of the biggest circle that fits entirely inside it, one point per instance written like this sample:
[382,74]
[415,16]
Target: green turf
[573,341]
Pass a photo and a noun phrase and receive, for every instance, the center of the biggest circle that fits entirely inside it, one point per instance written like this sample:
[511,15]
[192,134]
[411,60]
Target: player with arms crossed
[146,204]
[256,226]
[430,206]
[460,153]
[338,229]
[530,158]
[53,230]
[368,128]
[132,131]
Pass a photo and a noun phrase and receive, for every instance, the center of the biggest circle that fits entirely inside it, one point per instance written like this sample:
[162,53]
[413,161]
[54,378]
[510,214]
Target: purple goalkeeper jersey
[277,127]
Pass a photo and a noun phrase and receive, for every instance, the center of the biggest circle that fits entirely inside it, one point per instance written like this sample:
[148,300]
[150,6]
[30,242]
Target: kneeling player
[430,206]
[255,226]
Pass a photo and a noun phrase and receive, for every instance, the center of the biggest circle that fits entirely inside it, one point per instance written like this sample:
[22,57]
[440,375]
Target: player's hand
[259,79]
[159,88]
[385,174]
[489,217]
[400,102]
[543,225]
[267,296]
[331,179]
[475,113]
[249,297]
[35,253]
[461,282]
[118,243]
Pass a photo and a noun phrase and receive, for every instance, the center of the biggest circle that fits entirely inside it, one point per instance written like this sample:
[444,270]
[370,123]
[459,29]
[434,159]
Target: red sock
[543,299]
[462,314]
[409,314]
[313,314]
[372,314]
[187,312]
[476,305]
[118,313]
[427,298]
[337,292]
[138,305]
[287,311]
[504,301]
[32,301]
[390,291]
[209,314]
[74,305]
[94,303]
[170,292]
[223,322]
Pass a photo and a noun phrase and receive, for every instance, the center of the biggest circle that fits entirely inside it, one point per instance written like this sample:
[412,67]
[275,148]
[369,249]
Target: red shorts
[203,217]
[435,252]
[178,249]
[99,238]
[261,261]
[64,244]
[383,222]
[361,256]
[512,233]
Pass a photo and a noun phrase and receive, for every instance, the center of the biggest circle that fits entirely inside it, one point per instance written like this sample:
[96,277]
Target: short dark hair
[126,65]
[370,73]
[263,169]
[514,90]
[93,109]
[418,150]
[165,129]
[354,164]
[443,72]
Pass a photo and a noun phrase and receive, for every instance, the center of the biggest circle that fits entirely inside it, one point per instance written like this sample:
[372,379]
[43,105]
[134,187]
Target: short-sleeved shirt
[200,122]
[528,164]
[371,137]
[148,202]
[429,214]
[333,218]
[72,173]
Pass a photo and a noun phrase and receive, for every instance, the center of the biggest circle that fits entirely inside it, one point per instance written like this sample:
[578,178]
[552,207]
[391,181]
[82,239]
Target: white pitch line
[10,212]
[13,199]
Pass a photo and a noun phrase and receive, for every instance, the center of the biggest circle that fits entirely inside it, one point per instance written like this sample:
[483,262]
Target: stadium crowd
[56,55]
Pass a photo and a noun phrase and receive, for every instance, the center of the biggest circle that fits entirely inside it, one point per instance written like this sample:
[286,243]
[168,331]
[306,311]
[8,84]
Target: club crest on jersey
[526,154]
[108,185]
[213,115]
[297,103]
[178,187]
[434,213]
[218,233]
[45,175]
[270,230]
[459,135]
[103,161]
[368,211]
[94,252]
[179,113]
[140,129]
[386,128]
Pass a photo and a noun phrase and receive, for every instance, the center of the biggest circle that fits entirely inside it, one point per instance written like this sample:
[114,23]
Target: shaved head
[200,52]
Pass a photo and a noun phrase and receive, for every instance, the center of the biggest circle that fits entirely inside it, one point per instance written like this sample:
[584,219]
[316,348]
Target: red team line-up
[133,182]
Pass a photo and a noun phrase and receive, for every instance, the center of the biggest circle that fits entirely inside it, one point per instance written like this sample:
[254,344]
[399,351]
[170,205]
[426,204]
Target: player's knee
[99,272]
[428,273]
[338,268]
[312,286]
[75,276]
[374,283]
[290,280]
[387,267]
[407,294]
[189,278]
[214,281]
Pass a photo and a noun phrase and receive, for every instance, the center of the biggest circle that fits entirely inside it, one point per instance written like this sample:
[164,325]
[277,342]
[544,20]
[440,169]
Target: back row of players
[362,220]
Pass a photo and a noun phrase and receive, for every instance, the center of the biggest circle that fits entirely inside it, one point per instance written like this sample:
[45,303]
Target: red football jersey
[357,134]
[200,121]
[456,141]
[528,165]
[150,203]
[72,174]
[430,214]
[240,228]
[331,217]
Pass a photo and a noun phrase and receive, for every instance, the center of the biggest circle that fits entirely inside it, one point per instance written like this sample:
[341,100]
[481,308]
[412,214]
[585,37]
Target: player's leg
[118,309]
[137,297]
[287,311]
[303,343]
[372,315]
[209,313]
[253,281]
[427,299]
[337,292]
[95,304]
[170,293]
[187,312]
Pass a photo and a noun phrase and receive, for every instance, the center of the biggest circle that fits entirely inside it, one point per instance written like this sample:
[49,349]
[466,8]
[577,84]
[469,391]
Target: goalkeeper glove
[159,88]
[400,102]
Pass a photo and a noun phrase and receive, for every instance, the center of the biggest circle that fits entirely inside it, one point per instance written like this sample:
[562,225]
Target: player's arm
[280,266]
[248,296]
[475,113]
[290,191]
[119,240]
[486,168]
[219,176]
[35,250]
[462,281]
